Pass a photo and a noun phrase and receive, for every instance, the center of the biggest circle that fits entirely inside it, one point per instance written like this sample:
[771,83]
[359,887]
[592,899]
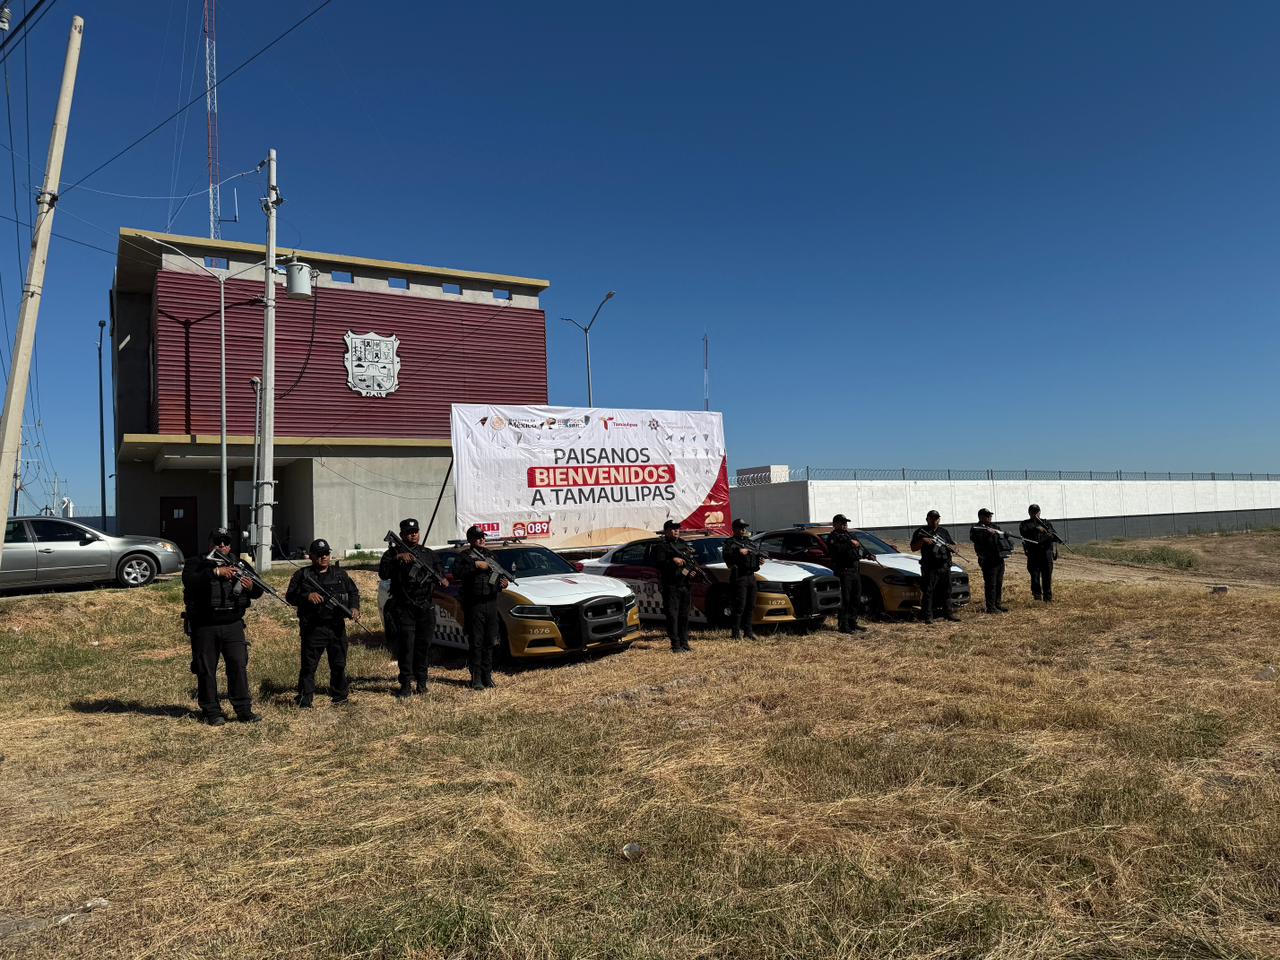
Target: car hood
[133,540]
[906,563]
[568,587]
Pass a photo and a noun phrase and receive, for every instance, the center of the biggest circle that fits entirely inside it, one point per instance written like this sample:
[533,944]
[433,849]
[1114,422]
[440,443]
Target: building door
[178,523]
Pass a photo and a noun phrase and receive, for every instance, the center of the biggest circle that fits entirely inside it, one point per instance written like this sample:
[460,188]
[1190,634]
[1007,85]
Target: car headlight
[630,601]
[770,586]
[901,580]
[163,545]
[531,612]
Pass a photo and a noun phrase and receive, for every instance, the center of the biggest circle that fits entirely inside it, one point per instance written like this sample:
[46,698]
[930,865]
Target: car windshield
[873,544]
[710,550]
[532,562]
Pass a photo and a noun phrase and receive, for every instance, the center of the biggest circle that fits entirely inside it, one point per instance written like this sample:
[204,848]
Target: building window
[341,276]
[397,283]
[454,288]
[216,263]
[502,294]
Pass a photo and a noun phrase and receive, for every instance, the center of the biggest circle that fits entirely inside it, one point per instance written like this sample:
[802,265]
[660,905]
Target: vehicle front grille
[599,620]
[815,596]
[959,589]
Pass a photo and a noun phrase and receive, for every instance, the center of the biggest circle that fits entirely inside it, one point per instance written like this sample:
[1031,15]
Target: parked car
[798,593]
[890,580]
[51,551]
[550,608]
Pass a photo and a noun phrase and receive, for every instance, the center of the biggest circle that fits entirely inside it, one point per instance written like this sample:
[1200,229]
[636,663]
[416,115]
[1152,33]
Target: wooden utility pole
[20,371]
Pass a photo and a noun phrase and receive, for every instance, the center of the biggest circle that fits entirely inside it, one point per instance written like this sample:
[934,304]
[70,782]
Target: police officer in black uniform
[481,581]
[846,554]
[1038,542]
[934,543]
[317,591]
[992,545]
[743,559]
[216,595]
[412,608]
[676,569]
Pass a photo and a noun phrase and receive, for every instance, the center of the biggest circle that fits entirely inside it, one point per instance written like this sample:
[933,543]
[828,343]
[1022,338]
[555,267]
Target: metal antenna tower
[211,109]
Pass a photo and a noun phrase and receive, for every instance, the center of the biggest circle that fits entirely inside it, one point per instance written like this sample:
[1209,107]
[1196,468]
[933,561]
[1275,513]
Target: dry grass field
[1095,778]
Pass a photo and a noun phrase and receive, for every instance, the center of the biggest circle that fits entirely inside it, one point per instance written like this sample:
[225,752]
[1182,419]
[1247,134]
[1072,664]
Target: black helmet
[319,548]
[932,514]
[409,525]
[984,512]
[1034,508]
[474,534]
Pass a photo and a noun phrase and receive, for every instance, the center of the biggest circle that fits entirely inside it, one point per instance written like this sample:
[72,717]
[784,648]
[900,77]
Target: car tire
[874,606]
[136,570]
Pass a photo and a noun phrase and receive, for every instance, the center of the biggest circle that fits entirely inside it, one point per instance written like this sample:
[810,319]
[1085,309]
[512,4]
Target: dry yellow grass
[1098,778]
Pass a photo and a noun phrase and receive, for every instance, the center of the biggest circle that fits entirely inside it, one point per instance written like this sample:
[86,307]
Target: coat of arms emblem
[373,364]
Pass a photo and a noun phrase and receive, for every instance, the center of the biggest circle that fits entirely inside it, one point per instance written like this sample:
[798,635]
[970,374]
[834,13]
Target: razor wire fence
[788,474]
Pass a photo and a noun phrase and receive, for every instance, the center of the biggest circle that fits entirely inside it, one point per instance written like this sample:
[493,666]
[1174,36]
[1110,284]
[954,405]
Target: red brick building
[366,370]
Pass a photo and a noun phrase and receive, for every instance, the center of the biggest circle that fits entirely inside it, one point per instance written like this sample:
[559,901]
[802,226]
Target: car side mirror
[88,539]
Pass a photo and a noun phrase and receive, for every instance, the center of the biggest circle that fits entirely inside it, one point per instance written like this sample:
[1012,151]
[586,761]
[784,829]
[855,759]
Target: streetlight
[222,279]
[586,334]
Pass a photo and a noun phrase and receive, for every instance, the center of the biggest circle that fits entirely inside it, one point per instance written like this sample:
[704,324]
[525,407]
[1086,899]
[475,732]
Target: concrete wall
[772,505]
[356,500]
[139,488]
[893,503]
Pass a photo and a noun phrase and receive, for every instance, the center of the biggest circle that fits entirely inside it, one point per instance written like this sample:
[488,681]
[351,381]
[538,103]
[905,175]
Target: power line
[21,25]
[159,126]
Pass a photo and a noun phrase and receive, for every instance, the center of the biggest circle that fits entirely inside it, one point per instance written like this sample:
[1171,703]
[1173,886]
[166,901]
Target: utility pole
[17,478]
[102,432]
[28,313]
[267,485]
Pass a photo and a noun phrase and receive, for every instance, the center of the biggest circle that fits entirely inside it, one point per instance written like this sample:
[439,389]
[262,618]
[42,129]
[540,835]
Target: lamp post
[586,335]
[102,431]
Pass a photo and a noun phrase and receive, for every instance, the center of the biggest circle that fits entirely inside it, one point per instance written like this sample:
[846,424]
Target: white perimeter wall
[901,503]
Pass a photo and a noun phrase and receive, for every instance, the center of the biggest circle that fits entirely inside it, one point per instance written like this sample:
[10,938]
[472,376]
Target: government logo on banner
[373,364]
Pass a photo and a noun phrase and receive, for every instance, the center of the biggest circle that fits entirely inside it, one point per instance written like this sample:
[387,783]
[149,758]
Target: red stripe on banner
[603,475]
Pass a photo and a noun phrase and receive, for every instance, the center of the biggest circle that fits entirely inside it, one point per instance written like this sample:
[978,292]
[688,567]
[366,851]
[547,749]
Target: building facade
[366,370]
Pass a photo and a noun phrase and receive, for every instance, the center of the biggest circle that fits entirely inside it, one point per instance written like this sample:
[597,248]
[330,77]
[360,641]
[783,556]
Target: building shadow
[114,705]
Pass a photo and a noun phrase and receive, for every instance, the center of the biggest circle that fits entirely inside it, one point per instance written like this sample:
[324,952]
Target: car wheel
[136,570]
[873,602]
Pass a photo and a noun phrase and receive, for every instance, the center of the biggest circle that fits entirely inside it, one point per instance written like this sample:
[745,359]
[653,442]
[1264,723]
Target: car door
[635,566]
[68,553]
[18,561]
[802,547]
[771,544]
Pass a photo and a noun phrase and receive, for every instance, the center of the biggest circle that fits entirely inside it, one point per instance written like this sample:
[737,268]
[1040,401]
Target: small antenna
[706,371]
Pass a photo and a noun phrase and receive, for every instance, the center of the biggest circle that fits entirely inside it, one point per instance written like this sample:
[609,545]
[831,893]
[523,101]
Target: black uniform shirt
[405,589]
[741,567]
[210,599]
[844,553]
[664,555]
[932,554]
[335,581]
[1038,536]
[990,543]
[477,586]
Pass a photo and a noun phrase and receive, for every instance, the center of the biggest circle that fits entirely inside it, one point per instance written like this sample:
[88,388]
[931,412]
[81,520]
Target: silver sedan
[48,551]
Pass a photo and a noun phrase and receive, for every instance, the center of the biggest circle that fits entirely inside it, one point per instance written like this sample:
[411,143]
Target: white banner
[582,476]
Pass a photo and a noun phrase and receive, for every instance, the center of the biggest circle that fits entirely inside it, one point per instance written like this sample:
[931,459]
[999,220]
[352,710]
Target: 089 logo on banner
[373,364]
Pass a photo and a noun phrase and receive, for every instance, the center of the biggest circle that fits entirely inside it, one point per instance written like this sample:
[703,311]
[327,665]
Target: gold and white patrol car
[549,609]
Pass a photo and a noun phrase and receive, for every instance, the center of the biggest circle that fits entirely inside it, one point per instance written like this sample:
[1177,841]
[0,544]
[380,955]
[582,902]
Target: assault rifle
[496,572]
[691,566]
[330,601]
[948,544]
[246,571]
[420,572]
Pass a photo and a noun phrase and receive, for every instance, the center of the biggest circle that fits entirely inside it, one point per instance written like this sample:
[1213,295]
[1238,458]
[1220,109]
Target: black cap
[409,525]
[474,533]
[741,524]
[931,514]
[1034,508]
[318,548]
[670,525]
[839,518]
[984,512]
[220,535]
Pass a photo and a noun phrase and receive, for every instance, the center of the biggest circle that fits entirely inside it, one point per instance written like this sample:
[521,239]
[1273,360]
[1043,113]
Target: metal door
[18,562]
[178,523]
[68,553]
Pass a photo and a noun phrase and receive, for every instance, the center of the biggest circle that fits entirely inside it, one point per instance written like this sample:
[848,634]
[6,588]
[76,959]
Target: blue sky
[937,235]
